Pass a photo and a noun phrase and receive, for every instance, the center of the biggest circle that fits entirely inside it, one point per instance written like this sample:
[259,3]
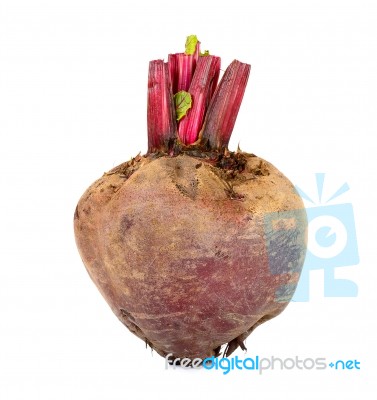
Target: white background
[73,77]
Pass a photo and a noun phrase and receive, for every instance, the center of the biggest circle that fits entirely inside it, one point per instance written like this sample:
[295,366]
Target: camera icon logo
[332,243]
[285,245]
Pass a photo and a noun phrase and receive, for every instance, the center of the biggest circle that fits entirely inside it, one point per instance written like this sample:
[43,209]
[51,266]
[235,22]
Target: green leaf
[206,53]
[191,42]
[183,102]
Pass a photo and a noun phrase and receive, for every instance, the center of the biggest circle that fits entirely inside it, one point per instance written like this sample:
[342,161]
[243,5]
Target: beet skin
[190,253]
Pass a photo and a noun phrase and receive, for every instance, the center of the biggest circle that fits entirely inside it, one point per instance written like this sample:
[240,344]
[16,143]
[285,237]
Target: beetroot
[193,246]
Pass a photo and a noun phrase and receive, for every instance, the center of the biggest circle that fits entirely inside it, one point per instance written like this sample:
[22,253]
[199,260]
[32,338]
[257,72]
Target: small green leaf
[183,102]
[191,42]
[206,53]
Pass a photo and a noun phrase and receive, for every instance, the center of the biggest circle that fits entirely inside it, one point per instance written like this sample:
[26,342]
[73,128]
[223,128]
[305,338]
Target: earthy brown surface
[187,255]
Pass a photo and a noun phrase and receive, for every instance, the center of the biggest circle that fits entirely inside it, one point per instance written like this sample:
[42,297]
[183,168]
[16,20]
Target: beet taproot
[193,246]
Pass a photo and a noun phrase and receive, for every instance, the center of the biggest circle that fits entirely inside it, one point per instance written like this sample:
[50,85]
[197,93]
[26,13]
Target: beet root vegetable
[193,246]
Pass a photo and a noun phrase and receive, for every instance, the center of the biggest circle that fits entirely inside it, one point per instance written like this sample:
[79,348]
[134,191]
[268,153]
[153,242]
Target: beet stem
[181,69]
[199,109]
[223,109]
[201,90]
[162,126]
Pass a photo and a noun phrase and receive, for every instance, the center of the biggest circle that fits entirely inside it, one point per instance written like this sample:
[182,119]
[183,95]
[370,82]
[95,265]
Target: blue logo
[332,243]
[285,243]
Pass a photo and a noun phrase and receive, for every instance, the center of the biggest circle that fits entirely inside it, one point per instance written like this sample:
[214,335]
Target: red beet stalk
[201,90]
[162,126]
[224,107]
[181,69]
[204,110]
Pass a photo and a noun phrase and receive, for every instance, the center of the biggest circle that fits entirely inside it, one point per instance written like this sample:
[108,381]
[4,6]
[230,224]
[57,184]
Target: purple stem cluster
[214,109]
